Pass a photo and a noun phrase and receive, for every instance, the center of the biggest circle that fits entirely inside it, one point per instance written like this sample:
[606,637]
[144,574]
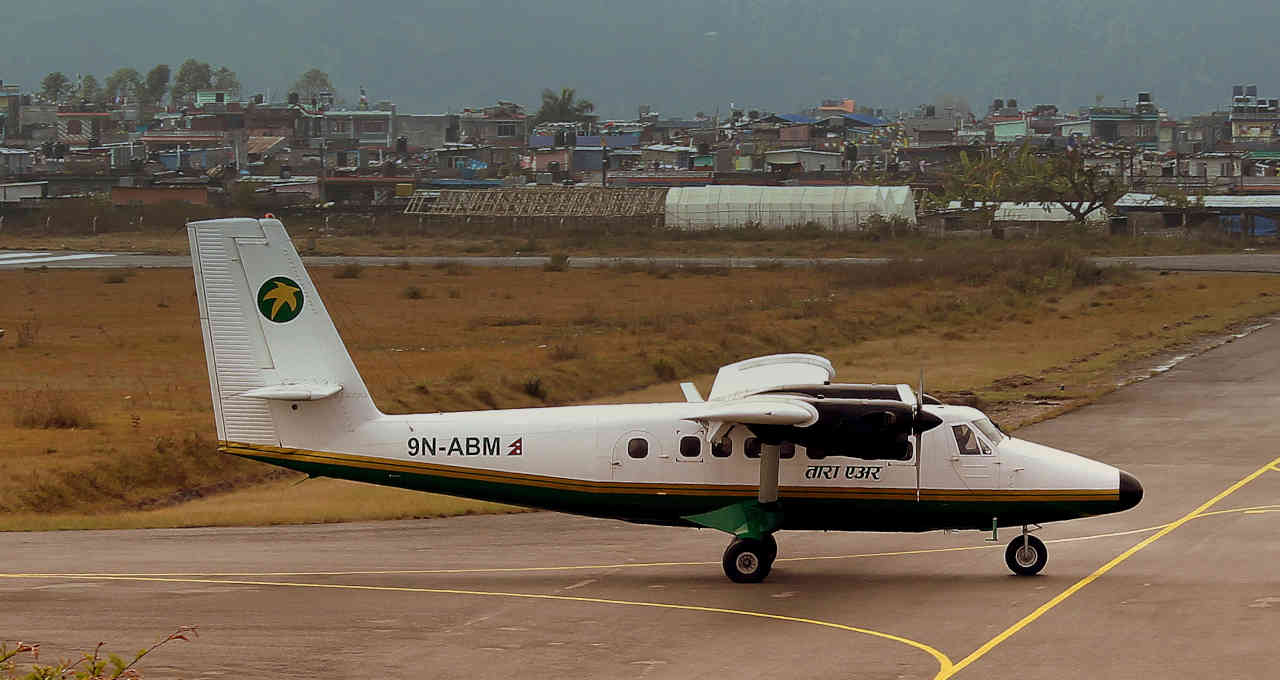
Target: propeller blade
[916,430]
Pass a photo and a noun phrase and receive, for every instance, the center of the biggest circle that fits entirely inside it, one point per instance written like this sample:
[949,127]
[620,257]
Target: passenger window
[815,452]
[690,447]
[638,447]
[751,447]
[722,448]
[787,450]
[966,440]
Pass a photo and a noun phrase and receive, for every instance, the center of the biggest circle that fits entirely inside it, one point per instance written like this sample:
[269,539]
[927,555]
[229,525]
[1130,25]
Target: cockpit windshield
[989,429]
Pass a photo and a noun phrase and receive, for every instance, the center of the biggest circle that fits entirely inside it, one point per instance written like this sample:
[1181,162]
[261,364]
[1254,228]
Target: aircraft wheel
[747,560]
[1026,559]
[771,545]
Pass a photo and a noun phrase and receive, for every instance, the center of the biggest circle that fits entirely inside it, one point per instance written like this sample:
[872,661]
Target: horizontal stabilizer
[295,391]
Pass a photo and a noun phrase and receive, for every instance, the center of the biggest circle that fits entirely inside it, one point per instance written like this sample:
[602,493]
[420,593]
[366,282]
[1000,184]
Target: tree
[157,84]
[55,87]
[564,107]
[89,89]
[311,84]
[1027,178]
[225,79]
[1065,181]
[192,75]
[122,83]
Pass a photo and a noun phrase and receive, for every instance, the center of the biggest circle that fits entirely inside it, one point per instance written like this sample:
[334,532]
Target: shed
[808,159]
[16,192]
[833,207]
[15,162]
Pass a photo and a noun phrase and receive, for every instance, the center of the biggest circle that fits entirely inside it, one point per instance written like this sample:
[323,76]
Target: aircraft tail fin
[279,372]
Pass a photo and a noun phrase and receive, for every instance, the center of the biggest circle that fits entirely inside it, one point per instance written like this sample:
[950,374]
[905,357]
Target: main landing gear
[1026,554]
[748,560]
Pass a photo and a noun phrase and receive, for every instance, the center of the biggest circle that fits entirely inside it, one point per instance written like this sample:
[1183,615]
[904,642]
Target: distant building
[423,131]
[1255,122]
[838,106]
[85,128]
[1136,126]
[10,110]
[361,128]
[16,162]
[504,128]
[932,131]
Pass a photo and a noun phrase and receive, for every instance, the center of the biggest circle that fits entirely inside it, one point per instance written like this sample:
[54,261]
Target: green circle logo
[280,299]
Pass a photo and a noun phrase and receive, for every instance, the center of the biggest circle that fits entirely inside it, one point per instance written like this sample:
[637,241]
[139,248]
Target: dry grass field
[395,236]
[105,415]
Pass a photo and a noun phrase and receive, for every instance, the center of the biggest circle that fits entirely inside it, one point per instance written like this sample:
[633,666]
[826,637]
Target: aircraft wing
[765,373]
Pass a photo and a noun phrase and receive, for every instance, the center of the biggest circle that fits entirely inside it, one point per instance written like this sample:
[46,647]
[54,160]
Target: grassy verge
[285,501]
[123,437]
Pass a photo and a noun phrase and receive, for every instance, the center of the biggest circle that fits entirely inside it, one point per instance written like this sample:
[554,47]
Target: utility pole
[604,162]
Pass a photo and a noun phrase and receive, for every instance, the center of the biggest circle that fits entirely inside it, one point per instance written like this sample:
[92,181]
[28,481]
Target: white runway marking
[10,256]
[45,257]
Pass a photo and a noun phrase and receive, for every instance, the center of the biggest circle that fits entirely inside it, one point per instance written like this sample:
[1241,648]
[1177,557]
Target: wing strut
[769,463]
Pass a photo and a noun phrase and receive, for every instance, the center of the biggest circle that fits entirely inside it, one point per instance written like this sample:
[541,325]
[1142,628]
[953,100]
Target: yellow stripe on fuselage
[262,451]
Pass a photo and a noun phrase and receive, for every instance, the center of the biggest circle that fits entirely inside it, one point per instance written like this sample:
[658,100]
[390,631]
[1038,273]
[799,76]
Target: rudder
[279,373]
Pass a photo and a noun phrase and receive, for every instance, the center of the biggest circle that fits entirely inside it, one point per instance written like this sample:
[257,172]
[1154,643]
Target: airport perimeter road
[1239,262]
[17,259]
[549,596]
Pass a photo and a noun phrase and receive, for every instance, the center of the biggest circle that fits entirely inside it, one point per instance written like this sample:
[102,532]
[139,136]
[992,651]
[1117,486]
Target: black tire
[771,546]
[1028,561]
[747,560]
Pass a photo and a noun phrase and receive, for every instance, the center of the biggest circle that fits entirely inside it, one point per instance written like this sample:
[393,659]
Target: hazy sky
[679,57]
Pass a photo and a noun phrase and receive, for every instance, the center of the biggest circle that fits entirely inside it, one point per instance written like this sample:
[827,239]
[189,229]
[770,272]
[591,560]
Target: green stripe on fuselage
[616,501]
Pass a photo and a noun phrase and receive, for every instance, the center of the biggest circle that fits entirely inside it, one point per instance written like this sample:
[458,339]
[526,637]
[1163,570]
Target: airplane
[775,445]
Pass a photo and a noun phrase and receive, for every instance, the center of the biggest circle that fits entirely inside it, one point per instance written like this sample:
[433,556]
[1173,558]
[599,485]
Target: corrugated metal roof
[262,144]
[865,120]
[1210,202]
[794,118]
[1009,211]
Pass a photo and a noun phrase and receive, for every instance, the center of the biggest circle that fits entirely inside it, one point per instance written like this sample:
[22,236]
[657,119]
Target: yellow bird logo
[280,299]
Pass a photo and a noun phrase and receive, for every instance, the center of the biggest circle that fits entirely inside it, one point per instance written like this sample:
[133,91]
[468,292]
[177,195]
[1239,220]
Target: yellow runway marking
[944,662]
[946,667]
[639,565]
[1078,585]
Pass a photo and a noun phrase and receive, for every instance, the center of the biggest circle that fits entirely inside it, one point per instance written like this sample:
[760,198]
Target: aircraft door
[974,458]
[638,456]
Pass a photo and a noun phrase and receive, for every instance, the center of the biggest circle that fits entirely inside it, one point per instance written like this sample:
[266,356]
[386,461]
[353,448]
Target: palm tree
[563,107]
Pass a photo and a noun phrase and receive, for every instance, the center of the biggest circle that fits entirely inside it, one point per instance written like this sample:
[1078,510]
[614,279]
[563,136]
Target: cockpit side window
[966,440]
[985,426]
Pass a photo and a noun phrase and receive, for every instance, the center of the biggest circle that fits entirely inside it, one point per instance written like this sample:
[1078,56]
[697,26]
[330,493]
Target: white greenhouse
[833,207]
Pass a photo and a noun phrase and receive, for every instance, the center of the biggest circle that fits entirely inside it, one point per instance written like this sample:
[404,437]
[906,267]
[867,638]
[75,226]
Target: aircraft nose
[1130,491]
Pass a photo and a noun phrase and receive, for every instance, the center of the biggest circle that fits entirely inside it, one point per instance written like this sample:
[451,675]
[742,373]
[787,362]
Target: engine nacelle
[874,429]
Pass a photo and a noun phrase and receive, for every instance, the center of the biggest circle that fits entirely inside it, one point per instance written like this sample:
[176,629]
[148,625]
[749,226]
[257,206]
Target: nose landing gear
[748,560]
[1026,554]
